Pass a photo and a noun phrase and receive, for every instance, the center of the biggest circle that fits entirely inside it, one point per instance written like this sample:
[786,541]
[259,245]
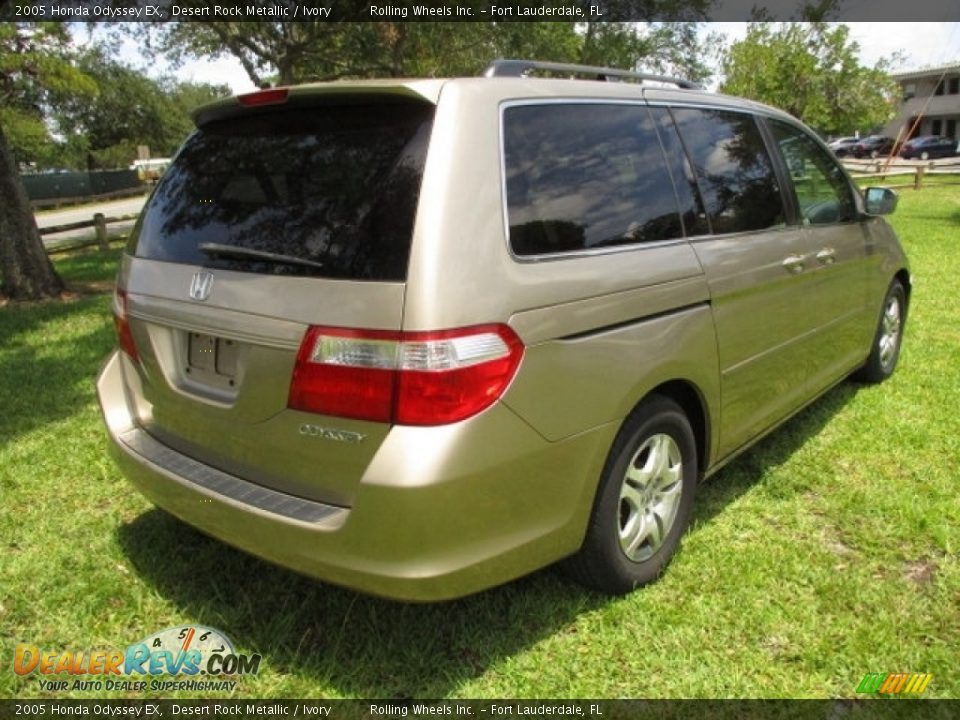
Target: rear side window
[734,171]
[321,191]
[585,176]
[684,179]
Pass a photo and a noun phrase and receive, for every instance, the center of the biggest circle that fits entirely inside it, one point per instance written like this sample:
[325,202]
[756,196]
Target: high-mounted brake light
[264,97]
[409,378]
[122,324]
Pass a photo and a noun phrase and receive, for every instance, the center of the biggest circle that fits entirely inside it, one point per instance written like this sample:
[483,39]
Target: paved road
[110,208]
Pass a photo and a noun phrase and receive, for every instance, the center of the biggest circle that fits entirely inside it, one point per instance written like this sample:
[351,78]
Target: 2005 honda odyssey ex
[422,337]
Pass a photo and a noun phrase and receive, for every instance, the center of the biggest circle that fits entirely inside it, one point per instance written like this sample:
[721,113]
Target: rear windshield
[322,191]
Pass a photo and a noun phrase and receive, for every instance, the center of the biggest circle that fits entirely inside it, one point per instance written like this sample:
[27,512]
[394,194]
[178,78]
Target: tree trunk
[26,270]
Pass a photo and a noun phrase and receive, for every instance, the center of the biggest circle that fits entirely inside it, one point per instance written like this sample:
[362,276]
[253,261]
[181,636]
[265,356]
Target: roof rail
[521,68]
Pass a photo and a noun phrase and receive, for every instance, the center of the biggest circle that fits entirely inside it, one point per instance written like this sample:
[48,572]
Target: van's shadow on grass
[366,647]
[743,473]
[327,636]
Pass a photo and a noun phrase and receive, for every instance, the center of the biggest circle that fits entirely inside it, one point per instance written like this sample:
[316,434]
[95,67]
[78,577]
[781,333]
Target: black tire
[885,350]
[602,563]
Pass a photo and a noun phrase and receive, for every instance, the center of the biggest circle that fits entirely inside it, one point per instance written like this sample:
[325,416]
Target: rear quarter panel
[600,330]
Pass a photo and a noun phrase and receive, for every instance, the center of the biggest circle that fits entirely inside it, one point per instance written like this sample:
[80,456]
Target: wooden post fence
[100,225]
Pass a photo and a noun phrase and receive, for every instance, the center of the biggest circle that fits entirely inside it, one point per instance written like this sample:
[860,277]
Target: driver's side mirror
[880,201]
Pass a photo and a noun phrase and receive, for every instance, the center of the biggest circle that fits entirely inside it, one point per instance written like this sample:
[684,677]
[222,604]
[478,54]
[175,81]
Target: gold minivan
[421,337]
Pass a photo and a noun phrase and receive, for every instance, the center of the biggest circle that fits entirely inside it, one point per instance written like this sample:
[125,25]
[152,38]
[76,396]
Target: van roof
[495,89]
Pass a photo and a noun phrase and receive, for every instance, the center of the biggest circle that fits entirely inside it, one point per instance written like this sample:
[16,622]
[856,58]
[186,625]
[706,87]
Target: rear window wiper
[235,251]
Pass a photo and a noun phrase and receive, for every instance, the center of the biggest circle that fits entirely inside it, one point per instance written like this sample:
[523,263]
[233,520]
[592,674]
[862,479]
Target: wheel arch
[691,400]
[903,275]
[595,564]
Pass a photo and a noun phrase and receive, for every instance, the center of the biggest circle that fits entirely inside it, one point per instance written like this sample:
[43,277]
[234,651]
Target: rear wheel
[886,342]
[644,501]
[924,155]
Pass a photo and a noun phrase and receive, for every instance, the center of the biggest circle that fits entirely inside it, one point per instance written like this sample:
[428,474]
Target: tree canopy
[129,109]
[36,72]
[288,53]
[812,71]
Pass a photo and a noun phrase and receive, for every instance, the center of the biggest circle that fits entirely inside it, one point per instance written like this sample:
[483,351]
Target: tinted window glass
[733,169]
[585,176]
[823,194]
[691,206]
[333,187]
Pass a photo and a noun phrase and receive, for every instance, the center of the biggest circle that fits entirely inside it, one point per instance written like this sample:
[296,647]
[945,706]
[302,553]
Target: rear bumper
[440,513]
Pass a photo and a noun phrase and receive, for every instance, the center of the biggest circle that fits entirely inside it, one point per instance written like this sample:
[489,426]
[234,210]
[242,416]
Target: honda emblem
[201,285]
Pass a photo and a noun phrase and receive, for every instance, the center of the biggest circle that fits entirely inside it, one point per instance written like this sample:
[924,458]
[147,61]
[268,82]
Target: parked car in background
[421,337]
[929,146]
[150,170]
[843,146]
[873,147]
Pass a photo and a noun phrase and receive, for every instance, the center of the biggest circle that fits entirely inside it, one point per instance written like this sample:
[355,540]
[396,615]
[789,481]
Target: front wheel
[643,503]
[924,155]
[885,351]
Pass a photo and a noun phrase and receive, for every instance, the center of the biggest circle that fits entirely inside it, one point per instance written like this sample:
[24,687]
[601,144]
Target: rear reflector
[122,324]
[409,378]
[264,97]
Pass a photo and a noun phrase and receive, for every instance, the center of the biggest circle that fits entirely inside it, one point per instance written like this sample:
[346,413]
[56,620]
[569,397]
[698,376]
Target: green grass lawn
[826,552]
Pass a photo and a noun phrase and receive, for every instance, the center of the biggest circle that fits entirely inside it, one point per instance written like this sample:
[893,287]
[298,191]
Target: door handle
[794,263]
[826,256]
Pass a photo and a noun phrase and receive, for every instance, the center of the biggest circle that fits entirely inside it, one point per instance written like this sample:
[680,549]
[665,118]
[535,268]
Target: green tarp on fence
[54,186]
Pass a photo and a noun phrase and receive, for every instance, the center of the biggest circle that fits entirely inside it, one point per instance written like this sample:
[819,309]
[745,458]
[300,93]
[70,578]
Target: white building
[933,95]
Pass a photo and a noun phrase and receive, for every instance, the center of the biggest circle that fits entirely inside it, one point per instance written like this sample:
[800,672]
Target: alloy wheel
[650,496]
[890,333]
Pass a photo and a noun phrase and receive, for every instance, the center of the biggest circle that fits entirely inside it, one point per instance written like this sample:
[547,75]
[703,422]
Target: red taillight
[450,375]
[347,373]
[410,378]
[264,97]
[122,324]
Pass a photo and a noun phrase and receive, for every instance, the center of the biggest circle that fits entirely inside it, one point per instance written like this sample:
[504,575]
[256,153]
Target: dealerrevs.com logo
[194,651]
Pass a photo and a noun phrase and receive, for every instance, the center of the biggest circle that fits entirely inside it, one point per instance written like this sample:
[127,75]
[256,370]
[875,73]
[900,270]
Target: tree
[27,272]
[188,96]
[130,109]
[34,66]
[812,71]
[292,52]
